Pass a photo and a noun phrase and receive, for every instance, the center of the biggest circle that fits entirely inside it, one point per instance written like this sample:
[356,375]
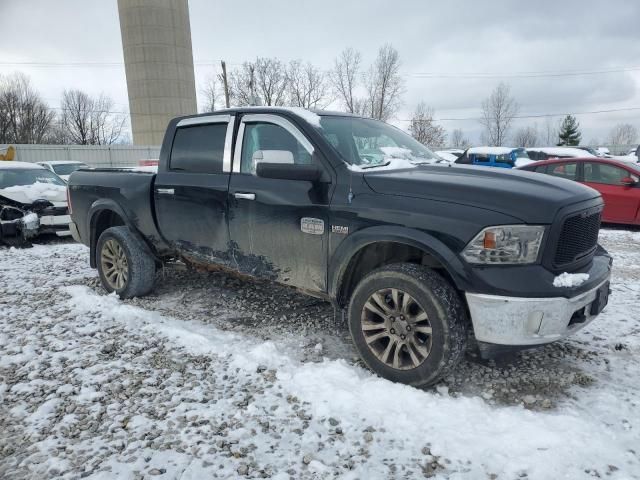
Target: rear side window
[199,148]
[563,170]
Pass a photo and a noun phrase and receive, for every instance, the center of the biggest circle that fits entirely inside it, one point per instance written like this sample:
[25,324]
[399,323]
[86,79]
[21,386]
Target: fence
[93,155]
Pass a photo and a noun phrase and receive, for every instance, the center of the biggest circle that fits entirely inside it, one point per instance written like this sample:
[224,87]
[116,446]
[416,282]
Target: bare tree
[307,85]
[623,134]
[424,129]
[384,84]
[458,140]
[550,131]
[497,114]
[262,82]
[24,116]
[526,136]
[344,78]
[210,93]
[90,121]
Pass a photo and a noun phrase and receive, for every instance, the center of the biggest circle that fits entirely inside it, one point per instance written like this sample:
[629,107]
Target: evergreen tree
[569,135]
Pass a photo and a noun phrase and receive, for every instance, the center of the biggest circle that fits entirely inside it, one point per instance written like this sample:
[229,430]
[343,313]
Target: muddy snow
[213,376]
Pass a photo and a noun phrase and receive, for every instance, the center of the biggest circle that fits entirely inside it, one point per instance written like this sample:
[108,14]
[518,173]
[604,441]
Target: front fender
[339,261]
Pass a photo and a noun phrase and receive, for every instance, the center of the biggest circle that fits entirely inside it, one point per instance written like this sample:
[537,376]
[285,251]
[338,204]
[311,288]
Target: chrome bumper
[528,321]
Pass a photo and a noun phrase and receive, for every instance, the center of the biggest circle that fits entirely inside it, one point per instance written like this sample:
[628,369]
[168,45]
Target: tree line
[25,117]
[375,90]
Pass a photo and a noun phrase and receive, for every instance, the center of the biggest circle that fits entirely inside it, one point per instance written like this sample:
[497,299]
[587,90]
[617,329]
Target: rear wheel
[408,324]
[124,265]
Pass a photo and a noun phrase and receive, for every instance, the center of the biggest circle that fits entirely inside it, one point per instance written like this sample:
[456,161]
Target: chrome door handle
[165,191]
[246,196]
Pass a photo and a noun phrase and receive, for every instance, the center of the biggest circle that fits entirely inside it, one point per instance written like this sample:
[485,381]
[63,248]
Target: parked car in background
[502,157]
[33,201]
[617,181]
[63,168]
[450,154]
[546,153]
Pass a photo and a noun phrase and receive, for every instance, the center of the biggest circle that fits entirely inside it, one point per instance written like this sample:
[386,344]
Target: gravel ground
[216,376]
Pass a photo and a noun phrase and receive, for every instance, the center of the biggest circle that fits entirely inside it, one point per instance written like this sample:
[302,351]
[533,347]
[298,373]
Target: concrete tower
[156,39]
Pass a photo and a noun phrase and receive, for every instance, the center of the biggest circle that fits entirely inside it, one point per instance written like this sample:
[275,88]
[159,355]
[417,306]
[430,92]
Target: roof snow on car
[562,151]
[21,165]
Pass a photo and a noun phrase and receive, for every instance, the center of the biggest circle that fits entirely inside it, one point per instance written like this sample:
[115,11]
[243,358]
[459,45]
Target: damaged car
[33,201]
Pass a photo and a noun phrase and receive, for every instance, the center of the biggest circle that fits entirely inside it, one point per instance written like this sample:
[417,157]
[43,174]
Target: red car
[617,182]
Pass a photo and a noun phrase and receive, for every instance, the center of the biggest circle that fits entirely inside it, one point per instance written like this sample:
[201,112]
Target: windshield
[67,168]
[522,153]
[367,143]
[21,176]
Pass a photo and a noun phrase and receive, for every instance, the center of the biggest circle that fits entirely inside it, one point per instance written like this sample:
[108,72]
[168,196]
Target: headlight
[506,244]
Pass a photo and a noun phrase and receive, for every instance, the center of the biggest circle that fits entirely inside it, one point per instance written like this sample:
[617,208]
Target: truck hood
[531,197]
[27,194]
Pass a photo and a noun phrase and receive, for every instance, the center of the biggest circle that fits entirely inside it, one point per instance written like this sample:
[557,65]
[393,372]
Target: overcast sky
[454,41]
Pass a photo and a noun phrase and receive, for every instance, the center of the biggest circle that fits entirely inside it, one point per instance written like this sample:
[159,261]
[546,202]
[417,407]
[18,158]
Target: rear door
[621,202]
[278,227]
[191,193]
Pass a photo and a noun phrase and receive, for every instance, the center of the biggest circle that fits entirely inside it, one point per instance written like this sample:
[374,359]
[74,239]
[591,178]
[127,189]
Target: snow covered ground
[217,377]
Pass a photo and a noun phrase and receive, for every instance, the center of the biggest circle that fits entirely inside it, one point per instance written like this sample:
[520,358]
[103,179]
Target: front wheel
[124,265]
[408,324]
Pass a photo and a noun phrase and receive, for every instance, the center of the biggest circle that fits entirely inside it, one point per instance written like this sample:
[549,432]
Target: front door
[621,202]
[278,228]
[191,193]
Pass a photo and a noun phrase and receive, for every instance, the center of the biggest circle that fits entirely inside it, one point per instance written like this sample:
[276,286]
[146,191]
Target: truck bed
[122,190]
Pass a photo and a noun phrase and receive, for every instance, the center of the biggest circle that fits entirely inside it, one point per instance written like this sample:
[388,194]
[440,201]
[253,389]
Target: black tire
[447,320]
[141,265]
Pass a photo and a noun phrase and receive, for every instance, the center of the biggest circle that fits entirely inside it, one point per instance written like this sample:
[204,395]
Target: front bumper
[57,224]
[518,321]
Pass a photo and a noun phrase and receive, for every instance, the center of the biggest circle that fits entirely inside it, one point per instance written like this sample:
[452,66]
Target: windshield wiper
[388,162]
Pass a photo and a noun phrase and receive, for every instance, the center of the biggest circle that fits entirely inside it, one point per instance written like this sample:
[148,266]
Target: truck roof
[311,116]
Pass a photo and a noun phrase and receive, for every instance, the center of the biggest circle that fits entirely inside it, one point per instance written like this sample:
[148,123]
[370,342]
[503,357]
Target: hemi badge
[340,229]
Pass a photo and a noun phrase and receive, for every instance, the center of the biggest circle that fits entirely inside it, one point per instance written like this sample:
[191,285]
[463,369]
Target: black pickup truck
[420,253]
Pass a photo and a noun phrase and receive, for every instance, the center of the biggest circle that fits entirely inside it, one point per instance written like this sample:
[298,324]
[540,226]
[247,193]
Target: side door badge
[312,226]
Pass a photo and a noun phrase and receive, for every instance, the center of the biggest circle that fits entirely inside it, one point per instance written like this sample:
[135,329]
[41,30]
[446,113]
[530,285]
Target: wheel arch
[368,249]
[104,214]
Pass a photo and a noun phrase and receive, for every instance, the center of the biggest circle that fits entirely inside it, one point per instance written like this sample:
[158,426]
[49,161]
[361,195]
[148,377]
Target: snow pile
[397,152]
[36,191]
[570,279]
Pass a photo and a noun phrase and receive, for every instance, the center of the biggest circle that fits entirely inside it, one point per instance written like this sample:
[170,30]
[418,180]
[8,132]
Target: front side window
[268,142]
[603,173]
[24,176]
[563,170]
[199,148]
[367,143]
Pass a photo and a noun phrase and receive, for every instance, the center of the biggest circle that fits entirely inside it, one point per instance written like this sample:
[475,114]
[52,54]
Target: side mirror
[628,181]
[294,171]
[273,156]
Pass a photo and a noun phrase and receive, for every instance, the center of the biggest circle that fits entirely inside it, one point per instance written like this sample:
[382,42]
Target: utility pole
[226,83]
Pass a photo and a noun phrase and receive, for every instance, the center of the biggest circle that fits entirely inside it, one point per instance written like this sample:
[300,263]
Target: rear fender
[102,205]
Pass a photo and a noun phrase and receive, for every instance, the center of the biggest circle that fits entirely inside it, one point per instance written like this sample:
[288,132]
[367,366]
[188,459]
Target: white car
[450,154]
[63,168]
[33,201]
